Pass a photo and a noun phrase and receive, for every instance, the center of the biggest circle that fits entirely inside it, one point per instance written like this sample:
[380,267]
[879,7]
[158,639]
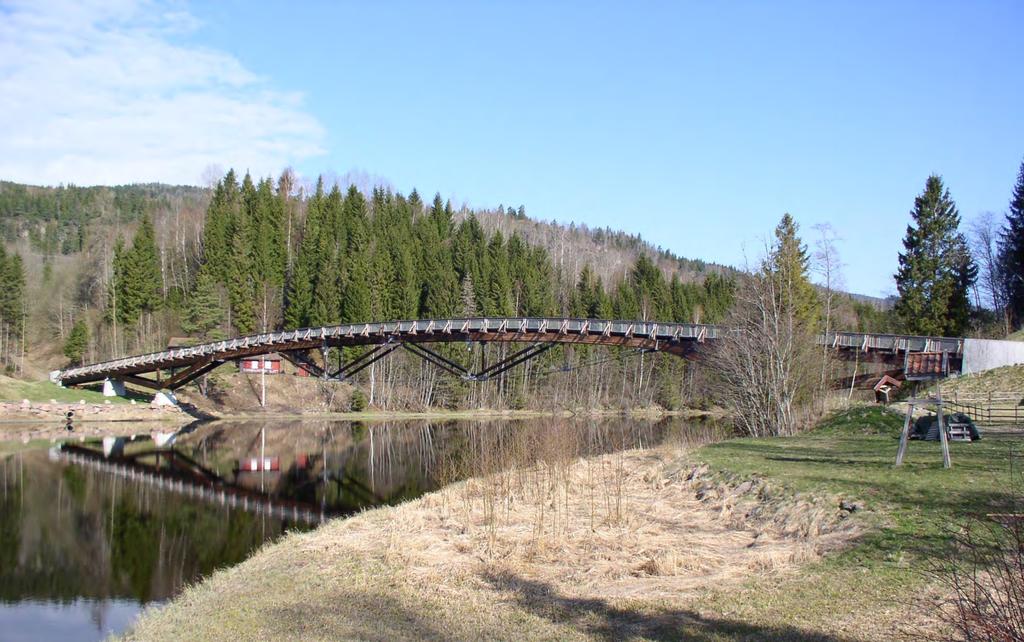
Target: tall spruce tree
[1011,253]
[789,263]
[137,281]
[203,314]
[241,283]
[12,304]
[77,342]
[301,285]
[219,227]
[651,291]
[936,269]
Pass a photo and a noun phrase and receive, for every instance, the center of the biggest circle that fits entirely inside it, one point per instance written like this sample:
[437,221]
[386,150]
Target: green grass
[1016,336]
[909,511]
[43,391]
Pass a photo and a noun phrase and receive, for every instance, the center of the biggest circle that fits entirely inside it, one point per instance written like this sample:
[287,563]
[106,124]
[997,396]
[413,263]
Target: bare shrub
[984,582]
[769,364]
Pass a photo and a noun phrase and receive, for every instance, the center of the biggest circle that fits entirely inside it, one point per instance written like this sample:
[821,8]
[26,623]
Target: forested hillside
[117,270]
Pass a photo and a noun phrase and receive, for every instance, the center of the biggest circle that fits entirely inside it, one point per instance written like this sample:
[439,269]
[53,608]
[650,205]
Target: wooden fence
[990,409]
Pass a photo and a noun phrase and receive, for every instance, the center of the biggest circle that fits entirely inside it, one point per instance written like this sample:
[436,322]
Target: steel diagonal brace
[192,373]
[441,362]
[358,364]
[512,361]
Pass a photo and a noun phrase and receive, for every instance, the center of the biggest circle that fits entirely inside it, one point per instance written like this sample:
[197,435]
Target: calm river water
[92,532]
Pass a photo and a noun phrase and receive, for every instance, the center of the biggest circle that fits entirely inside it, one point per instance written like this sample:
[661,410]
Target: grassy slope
[44,391]
[912,509]
[998,381]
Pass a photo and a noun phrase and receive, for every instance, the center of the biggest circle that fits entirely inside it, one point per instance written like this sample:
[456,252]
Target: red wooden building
[269,364]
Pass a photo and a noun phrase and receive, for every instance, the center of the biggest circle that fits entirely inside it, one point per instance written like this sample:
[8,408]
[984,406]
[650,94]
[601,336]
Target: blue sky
[695,125]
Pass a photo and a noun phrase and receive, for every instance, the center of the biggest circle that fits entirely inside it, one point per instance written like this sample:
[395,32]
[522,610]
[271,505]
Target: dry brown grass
[563,548]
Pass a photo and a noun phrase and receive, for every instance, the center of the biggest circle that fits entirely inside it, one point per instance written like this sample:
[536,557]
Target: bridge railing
[866,341]
[653,330]
[530,327]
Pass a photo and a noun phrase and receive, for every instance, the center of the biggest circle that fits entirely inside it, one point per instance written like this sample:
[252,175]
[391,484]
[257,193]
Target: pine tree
[145,267]
[218,230]
[241,278]
[12,303]
[1011,253]
[651,291]
[356,303]
[137,281]
[467,301]
[789,264]
[684,300]
[303,279]
[936,269]
[716,298]
[499,286]
[77,342]
[439,284]
[267,215]
[204,313]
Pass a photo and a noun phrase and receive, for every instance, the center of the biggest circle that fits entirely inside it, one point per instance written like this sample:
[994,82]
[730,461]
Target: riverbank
[472,414]
[634,544]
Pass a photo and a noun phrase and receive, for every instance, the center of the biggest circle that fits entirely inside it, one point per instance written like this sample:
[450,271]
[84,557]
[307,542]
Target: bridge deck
[676,338]
[681,339]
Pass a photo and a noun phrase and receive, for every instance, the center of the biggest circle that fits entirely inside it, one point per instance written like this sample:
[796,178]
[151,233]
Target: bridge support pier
[165,398]
[114,388]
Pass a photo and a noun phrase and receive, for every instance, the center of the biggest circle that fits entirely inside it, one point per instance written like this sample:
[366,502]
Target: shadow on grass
[601,619]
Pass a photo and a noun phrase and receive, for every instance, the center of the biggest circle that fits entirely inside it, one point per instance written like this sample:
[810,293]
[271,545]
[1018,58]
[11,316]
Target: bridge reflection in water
[141,522]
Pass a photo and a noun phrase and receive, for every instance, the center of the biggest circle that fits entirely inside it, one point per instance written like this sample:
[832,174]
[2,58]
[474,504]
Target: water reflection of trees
[343,467]
[68,531]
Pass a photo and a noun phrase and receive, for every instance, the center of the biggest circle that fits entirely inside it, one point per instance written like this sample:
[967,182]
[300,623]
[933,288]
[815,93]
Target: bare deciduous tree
[769,363]
[828,266]
[984,237]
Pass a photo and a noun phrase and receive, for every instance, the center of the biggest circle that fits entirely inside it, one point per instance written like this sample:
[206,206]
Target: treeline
[350,258]
[56,219]
[272,256]
[12,311]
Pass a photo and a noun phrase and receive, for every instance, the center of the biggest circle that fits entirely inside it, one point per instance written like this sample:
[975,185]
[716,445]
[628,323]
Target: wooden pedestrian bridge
[173,368]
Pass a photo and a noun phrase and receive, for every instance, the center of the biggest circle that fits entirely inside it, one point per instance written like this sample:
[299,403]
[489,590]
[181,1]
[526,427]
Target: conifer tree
[467,301]
[326,306]
[439,284]
[203,314]
[303,279]
[789,263]
[267,215]
[12,304]
[716,297]
[651,291]
[356,303]
[499,287]
[218,230]
[936,269]
[137,281]
[241,278]
[405,287]
[683,300]
[1011,253]
[77,342]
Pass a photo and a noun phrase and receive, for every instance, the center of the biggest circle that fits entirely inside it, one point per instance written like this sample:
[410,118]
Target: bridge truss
[171,369]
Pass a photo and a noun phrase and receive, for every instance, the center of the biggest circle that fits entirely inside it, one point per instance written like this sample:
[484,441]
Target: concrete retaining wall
[986,354]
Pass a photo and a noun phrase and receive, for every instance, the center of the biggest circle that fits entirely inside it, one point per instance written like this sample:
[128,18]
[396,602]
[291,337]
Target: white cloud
[99,92]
